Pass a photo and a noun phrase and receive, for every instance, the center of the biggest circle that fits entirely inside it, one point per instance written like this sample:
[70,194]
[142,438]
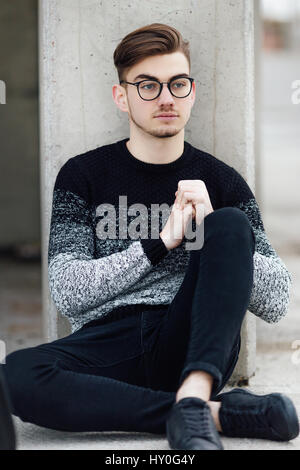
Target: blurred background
[277,179]
[277,174]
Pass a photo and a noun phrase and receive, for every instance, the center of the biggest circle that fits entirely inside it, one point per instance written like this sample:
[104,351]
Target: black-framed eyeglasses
[149,90]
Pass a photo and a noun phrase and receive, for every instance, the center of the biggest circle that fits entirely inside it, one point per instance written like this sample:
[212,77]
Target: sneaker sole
[173,447]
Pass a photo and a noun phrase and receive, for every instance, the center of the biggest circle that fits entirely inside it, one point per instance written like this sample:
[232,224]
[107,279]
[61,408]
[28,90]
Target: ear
[193,93]
[120,97]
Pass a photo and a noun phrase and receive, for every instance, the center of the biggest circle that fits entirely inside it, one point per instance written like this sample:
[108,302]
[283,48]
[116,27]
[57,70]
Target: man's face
[143,114]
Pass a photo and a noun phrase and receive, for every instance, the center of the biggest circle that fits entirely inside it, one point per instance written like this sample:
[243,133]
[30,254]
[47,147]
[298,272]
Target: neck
[158,150]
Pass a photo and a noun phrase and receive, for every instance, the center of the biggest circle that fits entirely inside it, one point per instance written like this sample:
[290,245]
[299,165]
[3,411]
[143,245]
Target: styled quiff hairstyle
[150,40]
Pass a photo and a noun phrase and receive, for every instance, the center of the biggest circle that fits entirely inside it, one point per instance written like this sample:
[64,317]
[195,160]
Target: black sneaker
[7,432]
[190,426]
[244,414]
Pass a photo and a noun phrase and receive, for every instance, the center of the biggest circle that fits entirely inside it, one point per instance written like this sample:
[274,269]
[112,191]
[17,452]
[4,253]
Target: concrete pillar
[77,112]
[258,40]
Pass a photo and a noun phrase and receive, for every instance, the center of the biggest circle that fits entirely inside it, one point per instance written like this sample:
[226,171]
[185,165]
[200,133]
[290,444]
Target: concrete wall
[19,149]
[77,40]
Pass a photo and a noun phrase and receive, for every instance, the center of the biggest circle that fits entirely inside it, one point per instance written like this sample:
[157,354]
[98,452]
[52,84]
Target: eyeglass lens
[150,89]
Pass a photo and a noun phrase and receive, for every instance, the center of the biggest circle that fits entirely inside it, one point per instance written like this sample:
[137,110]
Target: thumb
[188,212]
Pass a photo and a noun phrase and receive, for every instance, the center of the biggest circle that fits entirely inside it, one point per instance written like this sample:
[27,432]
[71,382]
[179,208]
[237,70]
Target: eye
[179,84]
[147,87]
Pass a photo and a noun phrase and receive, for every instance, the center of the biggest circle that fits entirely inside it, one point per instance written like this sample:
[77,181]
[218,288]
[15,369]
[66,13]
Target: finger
[187,213]
[186,198]
[180,193]
[200,213]
[178,198]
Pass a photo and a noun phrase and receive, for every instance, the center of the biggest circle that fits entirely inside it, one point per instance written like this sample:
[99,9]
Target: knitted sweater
[91,275]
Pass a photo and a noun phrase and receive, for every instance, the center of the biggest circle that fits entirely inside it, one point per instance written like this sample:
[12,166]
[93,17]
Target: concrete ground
[278,364]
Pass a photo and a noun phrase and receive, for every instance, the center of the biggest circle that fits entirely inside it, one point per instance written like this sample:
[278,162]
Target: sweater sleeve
[78,281]
[272,281]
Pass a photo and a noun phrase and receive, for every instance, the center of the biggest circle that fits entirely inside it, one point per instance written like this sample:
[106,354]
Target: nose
[166,97]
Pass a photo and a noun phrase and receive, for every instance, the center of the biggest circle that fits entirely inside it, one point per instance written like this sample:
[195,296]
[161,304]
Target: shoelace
[197,421]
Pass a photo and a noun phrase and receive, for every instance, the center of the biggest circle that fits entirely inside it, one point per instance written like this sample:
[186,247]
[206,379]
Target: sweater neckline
[180,162]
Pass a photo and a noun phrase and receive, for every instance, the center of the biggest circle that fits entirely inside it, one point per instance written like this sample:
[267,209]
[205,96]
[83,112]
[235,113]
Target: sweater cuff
[155,250]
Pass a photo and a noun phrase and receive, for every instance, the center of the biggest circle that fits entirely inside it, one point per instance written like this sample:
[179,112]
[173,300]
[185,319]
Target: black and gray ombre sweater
[89,275]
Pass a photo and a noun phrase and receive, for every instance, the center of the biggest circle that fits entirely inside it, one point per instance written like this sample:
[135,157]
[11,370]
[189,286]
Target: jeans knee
[231,220]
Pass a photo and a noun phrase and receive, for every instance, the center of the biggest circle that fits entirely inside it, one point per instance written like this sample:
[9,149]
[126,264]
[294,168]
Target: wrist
[210,210]
[165,241]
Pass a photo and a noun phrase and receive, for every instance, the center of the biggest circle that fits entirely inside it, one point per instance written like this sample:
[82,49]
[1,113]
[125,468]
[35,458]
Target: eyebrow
[150,77]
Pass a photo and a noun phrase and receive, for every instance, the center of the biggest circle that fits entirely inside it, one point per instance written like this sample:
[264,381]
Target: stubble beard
[161,132]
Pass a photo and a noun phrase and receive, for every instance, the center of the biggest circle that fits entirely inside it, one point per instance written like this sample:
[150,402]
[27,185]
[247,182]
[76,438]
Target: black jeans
[121,372]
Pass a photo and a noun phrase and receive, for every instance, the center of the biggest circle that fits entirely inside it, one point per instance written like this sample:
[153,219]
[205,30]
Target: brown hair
[150,40]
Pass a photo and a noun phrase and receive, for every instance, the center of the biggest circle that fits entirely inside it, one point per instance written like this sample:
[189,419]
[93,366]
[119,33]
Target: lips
[167,115]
